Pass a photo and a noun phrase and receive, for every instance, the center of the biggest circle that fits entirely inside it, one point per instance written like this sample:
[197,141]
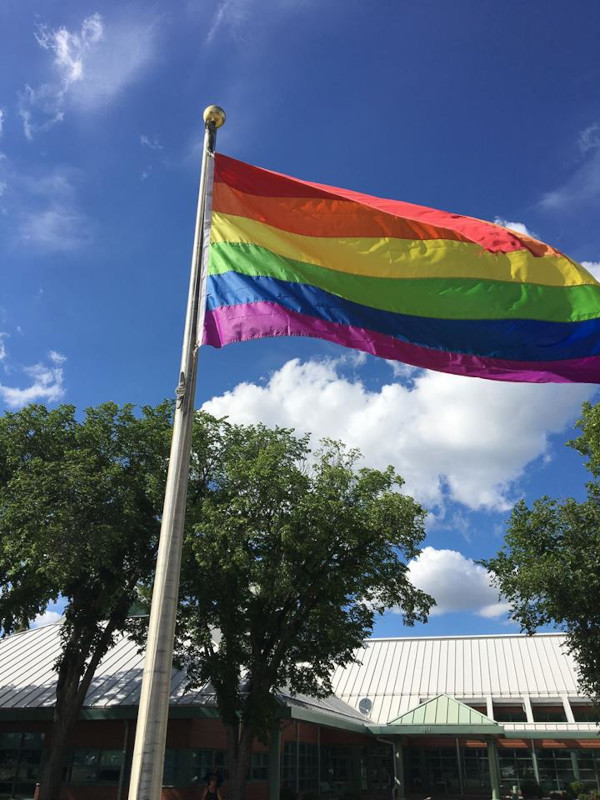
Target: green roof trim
[441,714]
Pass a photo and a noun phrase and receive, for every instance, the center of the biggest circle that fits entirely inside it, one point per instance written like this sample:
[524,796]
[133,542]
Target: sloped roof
[443,710]
[397,675]
[443,715]
[27,682]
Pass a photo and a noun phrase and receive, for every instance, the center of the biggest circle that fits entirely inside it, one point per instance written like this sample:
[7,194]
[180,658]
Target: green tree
[549,567]
[79,520]
[290,555]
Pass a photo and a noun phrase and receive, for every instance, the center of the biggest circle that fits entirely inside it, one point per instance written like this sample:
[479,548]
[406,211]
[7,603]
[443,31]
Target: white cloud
[2,346]
[151,142]
[90,67]
[580,190]
[518,227]
[231,15]
[593,267]
[47,618]
[1,121]
[457,583]
[589,138]
[448,436]
[47,213]
[54,229]
[45,384]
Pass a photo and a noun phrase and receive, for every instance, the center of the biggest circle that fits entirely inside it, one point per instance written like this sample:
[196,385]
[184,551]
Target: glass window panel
[84,765]
[204,763]
[10,741]
[33,741]
[259,764]
[309,767]
[549,714]
[169,767]
[29,765]
[109,770]
[8,765]
[288,765]
[584,713]
[509,713]
[380,768]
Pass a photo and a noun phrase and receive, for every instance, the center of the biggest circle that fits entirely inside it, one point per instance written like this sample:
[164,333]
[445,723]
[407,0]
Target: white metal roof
[27,679]
[396,675]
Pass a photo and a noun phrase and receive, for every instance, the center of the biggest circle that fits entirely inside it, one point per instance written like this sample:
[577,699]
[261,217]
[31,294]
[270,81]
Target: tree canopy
[290,555]
[549,567]
[80,504]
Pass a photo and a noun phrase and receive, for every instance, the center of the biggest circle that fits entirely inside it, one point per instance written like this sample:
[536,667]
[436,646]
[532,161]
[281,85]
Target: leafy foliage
[549,567]
[290,555]
[79,519]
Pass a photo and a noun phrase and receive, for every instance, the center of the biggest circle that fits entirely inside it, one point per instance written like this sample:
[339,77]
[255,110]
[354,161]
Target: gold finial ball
[214,114]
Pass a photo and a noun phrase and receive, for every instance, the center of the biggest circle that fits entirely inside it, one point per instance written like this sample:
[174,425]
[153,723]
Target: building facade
[416,717]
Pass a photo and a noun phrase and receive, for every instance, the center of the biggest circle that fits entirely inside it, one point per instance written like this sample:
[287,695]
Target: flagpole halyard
[151,731]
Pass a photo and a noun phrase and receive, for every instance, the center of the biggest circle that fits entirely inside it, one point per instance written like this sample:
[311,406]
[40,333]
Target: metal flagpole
[151,731]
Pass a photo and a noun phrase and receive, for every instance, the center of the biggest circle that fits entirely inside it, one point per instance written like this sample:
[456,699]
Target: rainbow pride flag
[400,281]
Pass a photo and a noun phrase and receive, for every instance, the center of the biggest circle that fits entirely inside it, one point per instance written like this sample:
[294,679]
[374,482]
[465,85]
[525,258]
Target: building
[453,716]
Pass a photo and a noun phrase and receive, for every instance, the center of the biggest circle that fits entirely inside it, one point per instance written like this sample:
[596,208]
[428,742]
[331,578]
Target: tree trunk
[239,754]
[75,673]
[66,715]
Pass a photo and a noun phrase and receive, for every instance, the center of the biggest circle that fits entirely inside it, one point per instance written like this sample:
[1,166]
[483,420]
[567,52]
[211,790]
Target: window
[549,714]
[555,768]
[306,758]
[95,765]
[336,764]
[507,713]
[480,707]
[205,763]
[259,767]
[475,767]
[585,713]
[380,768]
[589,768]
[432,769]
[20,758]
[187,767]
[516,765]
[309,767]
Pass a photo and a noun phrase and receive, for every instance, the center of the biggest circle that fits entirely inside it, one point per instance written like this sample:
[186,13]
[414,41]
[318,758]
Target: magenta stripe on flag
[241,323]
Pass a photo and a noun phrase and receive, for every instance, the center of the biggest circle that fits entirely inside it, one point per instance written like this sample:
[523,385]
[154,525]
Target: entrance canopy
[441,715]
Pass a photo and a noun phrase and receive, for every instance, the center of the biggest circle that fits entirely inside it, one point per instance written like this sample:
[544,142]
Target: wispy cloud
[1,121]
[89,67]
[582,187]
[150,141]
[47,211]
[589,138]
[230,15]
[44,382]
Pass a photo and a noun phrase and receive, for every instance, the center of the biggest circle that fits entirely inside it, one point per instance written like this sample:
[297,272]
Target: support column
[399,786]
[459,767]
[575,765]
[494,769]
[274,766]
[536,770]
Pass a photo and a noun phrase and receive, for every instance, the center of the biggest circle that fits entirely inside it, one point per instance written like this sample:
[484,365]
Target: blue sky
[484,108]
